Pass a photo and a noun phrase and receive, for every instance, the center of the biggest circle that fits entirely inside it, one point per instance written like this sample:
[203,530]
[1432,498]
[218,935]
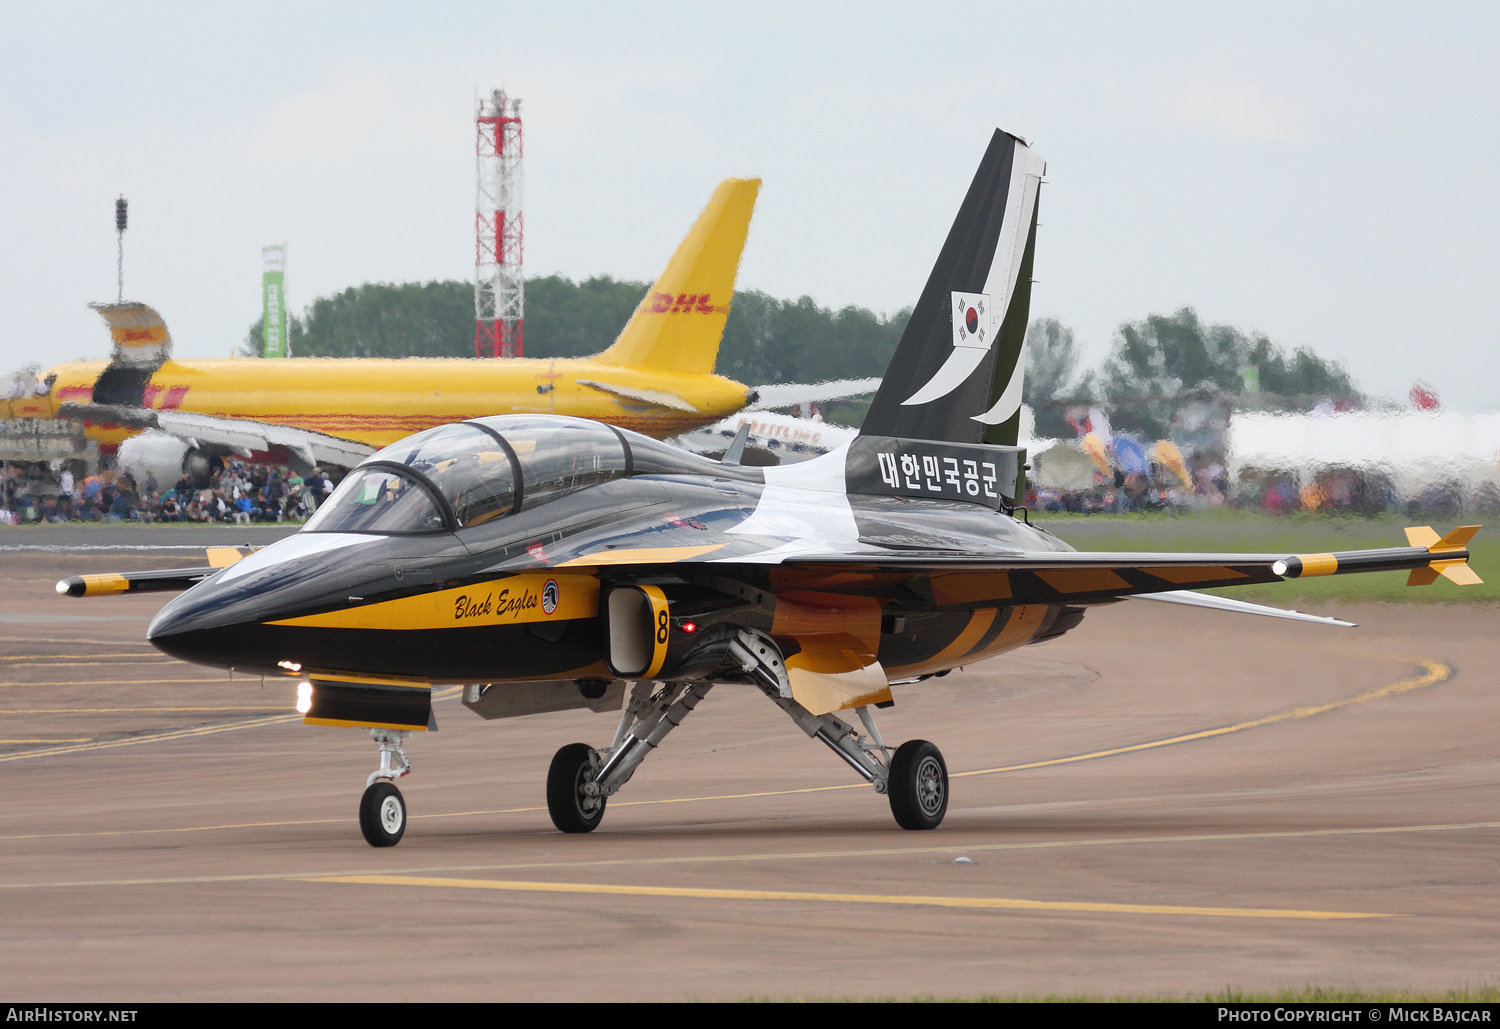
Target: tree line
[1153,365]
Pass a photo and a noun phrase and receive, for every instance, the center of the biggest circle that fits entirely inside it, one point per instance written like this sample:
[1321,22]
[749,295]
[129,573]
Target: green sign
[273,302]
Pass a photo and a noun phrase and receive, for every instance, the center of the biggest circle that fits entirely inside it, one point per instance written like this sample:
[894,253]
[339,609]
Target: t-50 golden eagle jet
[546,563]
[657,378]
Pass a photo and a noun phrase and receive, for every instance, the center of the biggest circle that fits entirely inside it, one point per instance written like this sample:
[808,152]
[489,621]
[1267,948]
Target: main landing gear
[913,776]
[382,809]
[581,779]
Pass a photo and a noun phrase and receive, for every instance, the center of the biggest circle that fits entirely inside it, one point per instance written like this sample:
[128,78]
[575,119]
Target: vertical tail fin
[678,326]
[962,349]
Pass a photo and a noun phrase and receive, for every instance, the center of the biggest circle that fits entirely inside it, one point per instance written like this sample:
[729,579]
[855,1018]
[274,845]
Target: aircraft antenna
[499,288]
[122,216]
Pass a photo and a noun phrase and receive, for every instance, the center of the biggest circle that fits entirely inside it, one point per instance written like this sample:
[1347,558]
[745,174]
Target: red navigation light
[688,627]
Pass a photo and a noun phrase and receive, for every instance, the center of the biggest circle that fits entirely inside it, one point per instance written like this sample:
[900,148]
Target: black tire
[572,766]
[918,785]
[382,814]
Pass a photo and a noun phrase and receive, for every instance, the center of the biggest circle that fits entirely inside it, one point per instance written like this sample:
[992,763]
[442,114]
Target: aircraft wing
[1102,577]
[786,394]
[1047,577]
[172,580]
[241,436]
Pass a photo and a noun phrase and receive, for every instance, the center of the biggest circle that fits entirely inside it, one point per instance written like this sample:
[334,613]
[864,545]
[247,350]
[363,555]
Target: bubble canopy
[456,476]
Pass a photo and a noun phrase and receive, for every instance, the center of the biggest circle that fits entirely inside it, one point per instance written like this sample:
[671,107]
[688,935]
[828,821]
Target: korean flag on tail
[973,334]
[971,321]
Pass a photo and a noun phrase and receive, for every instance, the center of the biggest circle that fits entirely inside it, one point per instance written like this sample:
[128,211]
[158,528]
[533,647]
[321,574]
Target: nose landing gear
[382,809]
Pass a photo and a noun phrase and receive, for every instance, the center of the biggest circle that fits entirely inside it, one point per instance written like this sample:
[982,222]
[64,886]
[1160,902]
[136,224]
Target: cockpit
[456,476]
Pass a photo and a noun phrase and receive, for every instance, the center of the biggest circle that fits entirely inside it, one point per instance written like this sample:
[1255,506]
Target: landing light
[304,697]
[290,666]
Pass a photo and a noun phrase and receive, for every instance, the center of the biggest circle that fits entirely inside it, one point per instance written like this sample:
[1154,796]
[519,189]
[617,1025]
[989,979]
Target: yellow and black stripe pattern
[1429,558]
[169,581]
[511,600]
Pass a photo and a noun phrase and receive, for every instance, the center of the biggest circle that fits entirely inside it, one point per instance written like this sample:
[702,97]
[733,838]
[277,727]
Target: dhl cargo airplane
[561,563]
[657,378]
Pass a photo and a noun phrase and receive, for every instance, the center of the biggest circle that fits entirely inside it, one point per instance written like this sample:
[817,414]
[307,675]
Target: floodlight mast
[122,216]
[499,287]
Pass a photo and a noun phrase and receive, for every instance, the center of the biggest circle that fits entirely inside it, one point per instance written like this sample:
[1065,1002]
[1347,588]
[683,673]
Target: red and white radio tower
[499,289]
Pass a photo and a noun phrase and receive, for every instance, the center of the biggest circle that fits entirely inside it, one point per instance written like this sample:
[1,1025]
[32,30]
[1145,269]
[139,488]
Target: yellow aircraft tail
[678,326]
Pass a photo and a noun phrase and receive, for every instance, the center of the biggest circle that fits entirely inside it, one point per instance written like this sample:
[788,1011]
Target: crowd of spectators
[239,493]
[1156,490]
[243,493]
[1328,491]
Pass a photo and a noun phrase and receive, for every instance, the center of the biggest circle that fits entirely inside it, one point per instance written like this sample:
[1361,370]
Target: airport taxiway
[1163,801]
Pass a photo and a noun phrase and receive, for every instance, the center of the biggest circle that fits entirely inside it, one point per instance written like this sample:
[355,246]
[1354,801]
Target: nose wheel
[382,814]
[382,809]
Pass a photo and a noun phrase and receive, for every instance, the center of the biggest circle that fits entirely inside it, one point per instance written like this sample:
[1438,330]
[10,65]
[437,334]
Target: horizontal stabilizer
[659,397]
[1191,599]
[788,394]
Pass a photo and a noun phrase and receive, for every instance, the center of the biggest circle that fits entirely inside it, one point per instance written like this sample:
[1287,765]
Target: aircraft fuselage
[380,400]
[519,597]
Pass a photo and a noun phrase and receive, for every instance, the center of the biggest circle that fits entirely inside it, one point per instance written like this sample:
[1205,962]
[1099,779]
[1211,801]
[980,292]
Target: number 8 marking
[661,626]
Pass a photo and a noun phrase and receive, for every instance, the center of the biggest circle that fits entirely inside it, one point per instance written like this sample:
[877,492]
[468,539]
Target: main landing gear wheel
[570,803]
[918,785]
[382,814]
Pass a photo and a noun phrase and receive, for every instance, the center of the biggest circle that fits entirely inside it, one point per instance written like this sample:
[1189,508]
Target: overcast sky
[1326,174]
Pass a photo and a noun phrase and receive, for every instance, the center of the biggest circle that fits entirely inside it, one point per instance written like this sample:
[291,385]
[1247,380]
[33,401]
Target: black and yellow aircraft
[548,563]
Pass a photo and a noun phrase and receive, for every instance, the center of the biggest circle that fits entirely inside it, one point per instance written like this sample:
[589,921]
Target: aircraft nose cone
[207,625]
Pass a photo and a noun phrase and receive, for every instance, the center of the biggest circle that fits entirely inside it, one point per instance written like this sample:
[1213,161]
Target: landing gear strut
[581,779]
[914,777]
